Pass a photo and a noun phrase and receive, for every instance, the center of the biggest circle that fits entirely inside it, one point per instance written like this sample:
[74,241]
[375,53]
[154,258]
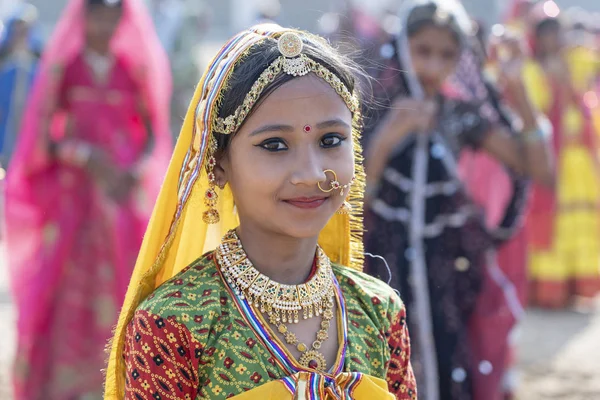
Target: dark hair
[425,16]
[261,55]
[89,4]
[546,26]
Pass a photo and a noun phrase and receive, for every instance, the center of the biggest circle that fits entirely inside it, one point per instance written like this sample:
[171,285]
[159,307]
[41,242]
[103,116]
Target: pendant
[314,360]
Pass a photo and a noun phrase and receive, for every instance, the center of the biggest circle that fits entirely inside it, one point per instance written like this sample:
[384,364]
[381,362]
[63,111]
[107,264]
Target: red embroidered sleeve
[162,359]
[400,377]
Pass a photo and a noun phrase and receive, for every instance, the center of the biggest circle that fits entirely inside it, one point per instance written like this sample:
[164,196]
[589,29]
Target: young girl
[92,149]
[422,220]
[269,158]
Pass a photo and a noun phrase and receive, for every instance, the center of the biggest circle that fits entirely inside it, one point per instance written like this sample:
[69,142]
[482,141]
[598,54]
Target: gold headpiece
[291,62]
[441,16]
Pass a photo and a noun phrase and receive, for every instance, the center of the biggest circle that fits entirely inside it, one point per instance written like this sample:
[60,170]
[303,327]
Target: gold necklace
[311,358]
[282,303]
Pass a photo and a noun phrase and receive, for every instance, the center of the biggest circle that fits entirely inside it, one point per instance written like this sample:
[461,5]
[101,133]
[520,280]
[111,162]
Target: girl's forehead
[304,87]
[303,101]
[307,94]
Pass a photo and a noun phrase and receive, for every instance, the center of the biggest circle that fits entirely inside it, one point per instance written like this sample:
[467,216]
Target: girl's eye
[332,140]
[274,145]
[424,51]
[448,55]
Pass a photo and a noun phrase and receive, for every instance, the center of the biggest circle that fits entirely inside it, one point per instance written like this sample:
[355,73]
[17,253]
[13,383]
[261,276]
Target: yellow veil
[177,235]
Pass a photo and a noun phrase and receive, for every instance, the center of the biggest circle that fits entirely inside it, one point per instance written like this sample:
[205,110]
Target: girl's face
[275,161]
[20,31]
[101,23]
[434,52]
[549,40]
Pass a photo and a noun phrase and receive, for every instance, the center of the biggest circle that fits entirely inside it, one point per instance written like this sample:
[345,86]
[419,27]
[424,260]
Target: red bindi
[307,128]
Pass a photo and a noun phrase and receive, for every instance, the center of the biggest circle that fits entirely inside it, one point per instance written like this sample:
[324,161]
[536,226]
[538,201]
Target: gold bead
[301,347]
[291,338]
[462,264]
[211,216]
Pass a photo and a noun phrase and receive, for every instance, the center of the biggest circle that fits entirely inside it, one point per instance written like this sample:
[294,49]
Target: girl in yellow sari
[269,159]
[565,223]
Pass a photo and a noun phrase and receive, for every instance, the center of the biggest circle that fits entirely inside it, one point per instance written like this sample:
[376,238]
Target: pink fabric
[493,320]
[489,329]
[72,248]
[513,11]
[490,187]
[487,183]
[512,258]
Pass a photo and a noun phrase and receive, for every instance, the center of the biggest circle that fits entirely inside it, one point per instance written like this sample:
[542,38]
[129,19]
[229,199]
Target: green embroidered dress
[193,338]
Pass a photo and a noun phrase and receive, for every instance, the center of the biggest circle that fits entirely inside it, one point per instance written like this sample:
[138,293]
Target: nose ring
[334,184]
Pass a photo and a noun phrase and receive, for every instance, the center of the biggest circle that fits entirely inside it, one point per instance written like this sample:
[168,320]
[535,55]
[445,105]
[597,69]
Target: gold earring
[345,209]
[347,187]
[211,216]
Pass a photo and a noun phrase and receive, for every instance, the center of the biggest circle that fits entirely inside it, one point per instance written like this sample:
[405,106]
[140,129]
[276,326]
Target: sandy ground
[559,352]
[560,355]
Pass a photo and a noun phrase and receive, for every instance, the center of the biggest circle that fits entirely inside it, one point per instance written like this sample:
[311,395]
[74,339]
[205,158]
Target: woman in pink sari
[92,150]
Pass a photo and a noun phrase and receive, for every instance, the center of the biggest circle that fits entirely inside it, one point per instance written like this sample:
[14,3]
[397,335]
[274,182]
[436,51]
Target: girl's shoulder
[197,287]
[370,294]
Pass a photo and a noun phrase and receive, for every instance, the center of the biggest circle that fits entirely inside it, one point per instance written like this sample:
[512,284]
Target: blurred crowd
[556,55]
[88,117]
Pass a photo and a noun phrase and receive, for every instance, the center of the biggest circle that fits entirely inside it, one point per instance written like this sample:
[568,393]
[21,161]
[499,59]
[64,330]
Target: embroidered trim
[232,123]
[402,182]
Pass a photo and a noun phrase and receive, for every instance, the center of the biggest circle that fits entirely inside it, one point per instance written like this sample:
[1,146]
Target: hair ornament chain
[292,62]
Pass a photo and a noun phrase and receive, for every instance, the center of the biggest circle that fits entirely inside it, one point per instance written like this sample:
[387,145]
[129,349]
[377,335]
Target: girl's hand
[411,116]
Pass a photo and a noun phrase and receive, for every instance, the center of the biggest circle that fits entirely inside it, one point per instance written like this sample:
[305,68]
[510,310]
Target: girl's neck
[282,258]
[97,48]
[100,64]
[546,55]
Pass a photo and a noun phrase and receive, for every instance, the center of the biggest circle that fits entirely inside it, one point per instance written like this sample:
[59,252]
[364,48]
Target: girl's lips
[307,202]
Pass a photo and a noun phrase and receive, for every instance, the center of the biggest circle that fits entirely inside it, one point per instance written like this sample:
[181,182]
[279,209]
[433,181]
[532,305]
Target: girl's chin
[304,228]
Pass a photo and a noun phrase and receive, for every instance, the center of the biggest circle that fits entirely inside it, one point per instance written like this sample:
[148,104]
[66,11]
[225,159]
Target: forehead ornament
[291,62]
[295,63]
[290,45]
[441,16]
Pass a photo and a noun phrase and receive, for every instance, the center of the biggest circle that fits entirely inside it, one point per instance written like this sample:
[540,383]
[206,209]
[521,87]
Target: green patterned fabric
[189,337]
